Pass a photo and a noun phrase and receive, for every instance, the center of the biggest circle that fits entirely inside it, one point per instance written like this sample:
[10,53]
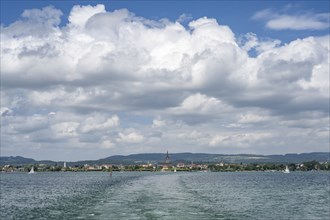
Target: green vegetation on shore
[213,167]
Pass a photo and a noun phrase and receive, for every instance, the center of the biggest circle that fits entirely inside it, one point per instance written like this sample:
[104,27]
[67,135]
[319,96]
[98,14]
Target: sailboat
[286,170]
[32,171]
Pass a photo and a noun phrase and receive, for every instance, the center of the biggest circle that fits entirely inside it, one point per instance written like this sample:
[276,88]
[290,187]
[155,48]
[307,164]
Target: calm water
[142,195]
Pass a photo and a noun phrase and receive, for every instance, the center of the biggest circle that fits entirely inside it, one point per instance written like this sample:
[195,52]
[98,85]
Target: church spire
[167,158]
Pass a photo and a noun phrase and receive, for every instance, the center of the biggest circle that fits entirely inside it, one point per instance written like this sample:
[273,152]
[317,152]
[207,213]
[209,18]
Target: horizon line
[1,156]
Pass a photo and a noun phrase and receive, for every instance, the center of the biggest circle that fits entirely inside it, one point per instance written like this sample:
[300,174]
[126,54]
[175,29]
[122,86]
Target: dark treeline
[306,166]
[219,167]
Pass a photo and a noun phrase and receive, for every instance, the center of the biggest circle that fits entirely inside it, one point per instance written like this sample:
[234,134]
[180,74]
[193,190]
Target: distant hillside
[182,157]
[303,157]
[16,160]
[202,157]
[158,158]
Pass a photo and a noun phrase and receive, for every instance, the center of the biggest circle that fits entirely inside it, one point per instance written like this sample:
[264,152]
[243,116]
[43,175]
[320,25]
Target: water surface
[144,195]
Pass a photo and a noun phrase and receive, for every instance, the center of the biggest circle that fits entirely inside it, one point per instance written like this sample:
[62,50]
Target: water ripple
[139,195]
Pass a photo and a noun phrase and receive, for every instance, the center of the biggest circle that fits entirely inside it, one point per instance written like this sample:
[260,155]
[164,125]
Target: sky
[90,79]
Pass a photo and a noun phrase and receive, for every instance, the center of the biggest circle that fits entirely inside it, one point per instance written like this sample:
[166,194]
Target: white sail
[32,171]
[286,170]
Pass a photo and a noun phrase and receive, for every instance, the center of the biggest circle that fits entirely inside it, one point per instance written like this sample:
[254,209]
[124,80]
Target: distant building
[166,164]
[167,158]
[106,166]
[146,165]
[192,165]
[64,165]
[180,165]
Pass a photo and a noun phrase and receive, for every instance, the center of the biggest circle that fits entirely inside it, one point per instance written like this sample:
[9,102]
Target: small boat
[286,170]
[32,171]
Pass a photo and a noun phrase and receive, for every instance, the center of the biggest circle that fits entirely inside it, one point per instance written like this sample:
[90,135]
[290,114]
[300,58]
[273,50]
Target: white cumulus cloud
[115,80]
[301,21]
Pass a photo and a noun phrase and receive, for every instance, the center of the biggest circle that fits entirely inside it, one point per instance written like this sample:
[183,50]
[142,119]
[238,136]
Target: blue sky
[237,14]
[89,79]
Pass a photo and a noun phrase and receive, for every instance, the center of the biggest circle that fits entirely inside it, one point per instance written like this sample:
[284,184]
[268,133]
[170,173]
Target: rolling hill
[181,157]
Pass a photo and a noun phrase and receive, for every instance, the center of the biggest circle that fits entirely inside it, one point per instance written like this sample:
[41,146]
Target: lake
[165,195]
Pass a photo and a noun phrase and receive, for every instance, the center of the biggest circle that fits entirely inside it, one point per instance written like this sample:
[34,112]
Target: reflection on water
[142,195]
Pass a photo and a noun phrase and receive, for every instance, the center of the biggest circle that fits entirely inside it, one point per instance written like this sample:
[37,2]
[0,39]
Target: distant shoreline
[187,157]
[172,167]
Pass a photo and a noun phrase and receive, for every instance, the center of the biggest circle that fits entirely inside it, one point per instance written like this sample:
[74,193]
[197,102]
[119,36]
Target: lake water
[143,195]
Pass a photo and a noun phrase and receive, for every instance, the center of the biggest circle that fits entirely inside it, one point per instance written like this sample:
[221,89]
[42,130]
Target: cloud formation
[301,21]
[115,83]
